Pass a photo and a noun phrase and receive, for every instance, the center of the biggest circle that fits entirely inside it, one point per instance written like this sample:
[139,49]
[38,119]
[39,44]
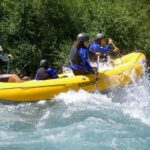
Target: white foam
[135,103]
[138,101]
[41,121]
[56,137]
[102,66]
[41,102]
[80,97]
[82,100]
[114,143]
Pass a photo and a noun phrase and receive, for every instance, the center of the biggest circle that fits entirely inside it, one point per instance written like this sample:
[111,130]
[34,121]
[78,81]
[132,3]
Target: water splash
[118,119]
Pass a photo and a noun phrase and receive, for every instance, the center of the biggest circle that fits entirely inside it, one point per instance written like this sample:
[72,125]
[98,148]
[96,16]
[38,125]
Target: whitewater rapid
[116,120]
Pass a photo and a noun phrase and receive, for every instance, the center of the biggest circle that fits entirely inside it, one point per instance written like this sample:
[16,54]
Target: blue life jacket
[79,59]
[43,74]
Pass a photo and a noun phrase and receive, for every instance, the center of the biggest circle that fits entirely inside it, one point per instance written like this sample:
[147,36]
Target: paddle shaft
[118,51]
[116,47]
[98,58]
[8,67]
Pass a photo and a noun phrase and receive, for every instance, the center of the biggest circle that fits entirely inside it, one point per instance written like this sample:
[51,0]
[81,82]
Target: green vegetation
[36,29]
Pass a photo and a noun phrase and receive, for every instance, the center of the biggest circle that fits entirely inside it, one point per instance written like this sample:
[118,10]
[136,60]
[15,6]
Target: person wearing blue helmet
[79,56]
[100,46]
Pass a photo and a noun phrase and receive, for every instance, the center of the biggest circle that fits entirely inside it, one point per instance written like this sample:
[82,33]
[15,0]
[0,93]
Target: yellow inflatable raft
[126,70]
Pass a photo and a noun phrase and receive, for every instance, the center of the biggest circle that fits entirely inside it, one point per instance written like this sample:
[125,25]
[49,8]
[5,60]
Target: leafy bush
[35,29]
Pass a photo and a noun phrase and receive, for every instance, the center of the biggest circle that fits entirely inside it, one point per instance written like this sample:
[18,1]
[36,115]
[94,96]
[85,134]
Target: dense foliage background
[36,29]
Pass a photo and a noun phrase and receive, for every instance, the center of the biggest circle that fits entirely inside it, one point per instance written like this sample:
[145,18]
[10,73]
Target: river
[115,120]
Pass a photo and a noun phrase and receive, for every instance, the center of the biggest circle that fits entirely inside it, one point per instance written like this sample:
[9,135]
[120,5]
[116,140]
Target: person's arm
[95,47]
[83,53]
[105,49]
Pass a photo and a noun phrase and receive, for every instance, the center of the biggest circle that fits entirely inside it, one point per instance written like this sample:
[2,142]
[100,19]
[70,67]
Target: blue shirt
[83,53]
[96,47]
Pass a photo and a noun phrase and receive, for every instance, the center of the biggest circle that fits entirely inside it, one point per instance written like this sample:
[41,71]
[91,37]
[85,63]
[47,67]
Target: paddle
[8,67]
[10,57]
[97,69]
[118,52]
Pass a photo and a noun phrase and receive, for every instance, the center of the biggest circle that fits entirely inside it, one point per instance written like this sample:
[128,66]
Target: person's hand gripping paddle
[116,50]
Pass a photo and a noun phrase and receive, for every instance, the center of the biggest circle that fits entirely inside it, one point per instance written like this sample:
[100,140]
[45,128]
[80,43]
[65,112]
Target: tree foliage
[36,29]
